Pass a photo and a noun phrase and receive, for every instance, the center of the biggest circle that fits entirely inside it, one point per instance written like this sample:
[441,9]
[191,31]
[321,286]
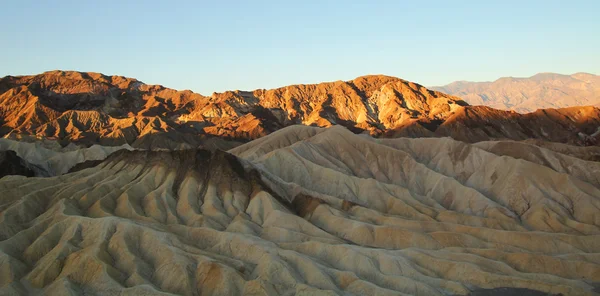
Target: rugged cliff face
[308,210]
[93,108]
[90,108]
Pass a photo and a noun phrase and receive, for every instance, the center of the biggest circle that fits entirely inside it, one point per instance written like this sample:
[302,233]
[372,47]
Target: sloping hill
[308,210]
[52,162]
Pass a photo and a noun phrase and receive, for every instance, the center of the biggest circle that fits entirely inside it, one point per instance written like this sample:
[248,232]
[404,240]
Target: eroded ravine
[302,210]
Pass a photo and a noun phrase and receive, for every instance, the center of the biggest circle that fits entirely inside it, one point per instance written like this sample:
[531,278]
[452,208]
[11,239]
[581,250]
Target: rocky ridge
[91,108]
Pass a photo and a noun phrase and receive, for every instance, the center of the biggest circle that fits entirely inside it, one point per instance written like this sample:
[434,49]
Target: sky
[209,46]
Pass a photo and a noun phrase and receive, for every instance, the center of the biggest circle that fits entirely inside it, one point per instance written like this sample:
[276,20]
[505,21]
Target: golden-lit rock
[91,108]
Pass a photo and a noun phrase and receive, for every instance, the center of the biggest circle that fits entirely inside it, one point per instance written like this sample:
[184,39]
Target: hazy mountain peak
[542,90]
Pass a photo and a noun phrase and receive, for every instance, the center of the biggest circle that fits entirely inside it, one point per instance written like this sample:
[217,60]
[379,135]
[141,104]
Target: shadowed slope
[11,164]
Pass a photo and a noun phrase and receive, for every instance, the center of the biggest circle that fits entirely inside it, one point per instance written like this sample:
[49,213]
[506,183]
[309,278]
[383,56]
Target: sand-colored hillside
[56,160]
[307,210]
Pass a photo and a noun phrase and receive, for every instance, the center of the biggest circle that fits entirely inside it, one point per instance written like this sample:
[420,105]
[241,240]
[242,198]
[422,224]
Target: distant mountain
[92,108]
[544,90]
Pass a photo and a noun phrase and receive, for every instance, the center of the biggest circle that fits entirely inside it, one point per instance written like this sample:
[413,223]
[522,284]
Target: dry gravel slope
[307,210]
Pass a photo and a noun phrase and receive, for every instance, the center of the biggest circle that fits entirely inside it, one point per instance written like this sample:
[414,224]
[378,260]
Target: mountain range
[91,108]
[540,91]
[373,186]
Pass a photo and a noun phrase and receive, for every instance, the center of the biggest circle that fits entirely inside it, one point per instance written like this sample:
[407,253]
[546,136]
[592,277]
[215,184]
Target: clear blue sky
[211,46]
